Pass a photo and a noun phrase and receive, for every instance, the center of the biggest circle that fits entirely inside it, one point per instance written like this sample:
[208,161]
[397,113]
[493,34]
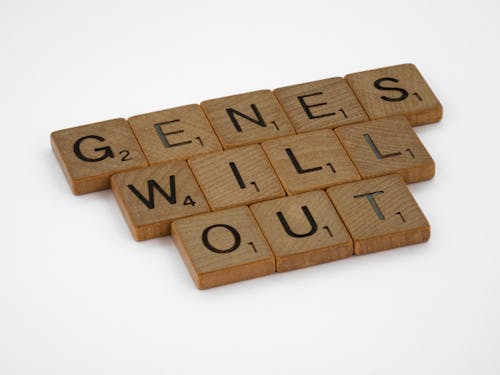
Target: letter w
[152,186]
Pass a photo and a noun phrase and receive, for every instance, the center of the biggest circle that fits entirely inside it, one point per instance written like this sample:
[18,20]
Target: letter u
[309,217]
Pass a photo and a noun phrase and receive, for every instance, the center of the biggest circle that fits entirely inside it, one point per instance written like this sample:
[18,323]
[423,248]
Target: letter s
[404,93]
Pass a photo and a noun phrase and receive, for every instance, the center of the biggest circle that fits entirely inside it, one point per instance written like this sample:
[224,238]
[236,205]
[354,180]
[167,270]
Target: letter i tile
[236,177]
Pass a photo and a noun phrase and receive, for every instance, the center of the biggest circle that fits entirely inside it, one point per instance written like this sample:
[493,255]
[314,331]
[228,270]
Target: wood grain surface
[236,177]
[310,161]
[223,247]
[380,214]
[396,90]
[247,118]
[387,146]
[273,151]
[174,134]
[151,198]
[303,230]
[327,103]
[90,154]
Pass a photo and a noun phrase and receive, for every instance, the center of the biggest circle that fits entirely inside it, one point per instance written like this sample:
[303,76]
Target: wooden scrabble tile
[151,198]
[247,118]
[223,247]
[90,154]
[303,230]
[396,90]
[380,214]
[174,134]
[310,161]
[323,104]
[387,146]
[236,177]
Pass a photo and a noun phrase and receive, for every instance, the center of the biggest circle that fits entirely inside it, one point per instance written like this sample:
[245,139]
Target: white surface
[79,296]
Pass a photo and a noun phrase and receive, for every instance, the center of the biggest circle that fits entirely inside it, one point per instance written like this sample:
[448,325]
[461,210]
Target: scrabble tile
[236,177]
[387,146]
[380,214]
[151,198]
[323,104]
[174,134]
[247,118]
[303,230]
[396,90]
[310,161]
[90,154]
[223,247]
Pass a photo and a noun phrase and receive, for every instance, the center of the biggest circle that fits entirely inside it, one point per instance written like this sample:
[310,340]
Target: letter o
[209,246]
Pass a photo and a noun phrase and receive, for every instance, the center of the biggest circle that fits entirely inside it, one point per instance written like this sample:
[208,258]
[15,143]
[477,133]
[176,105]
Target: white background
[79,296]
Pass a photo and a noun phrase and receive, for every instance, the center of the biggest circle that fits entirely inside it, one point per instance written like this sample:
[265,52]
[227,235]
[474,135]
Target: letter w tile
[152,186]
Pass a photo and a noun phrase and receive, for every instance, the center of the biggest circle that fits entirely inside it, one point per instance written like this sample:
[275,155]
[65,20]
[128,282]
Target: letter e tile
[323,104]
[174,134]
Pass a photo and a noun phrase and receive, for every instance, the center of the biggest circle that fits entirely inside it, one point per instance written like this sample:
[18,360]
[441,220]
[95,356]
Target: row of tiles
[299,231]
[90,154]
[152,197]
